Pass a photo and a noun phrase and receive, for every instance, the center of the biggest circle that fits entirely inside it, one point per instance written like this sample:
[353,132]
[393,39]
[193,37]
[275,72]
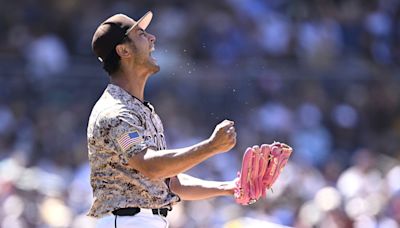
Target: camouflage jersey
[121,126]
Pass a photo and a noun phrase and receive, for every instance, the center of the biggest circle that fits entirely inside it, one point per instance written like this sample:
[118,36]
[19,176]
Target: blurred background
[322,76]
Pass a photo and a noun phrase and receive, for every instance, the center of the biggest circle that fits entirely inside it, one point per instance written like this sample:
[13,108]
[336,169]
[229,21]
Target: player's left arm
[191,188]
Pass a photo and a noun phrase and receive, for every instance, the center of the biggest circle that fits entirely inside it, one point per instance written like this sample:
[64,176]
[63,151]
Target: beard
[146,60]
[153,65]
[149,64]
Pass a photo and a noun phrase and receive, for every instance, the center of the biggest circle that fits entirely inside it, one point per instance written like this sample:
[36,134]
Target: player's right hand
[224,136]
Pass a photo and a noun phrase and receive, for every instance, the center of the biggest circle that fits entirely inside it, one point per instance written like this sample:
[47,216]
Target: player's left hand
[261,166]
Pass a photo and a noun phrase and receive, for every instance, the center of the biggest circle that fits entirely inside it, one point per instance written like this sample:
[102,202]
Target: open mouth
[152,49]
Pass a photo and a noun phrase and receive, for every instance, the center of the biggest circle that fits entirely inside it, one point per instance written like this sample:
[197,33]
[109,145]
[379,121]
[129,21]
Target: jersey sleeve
[126,131]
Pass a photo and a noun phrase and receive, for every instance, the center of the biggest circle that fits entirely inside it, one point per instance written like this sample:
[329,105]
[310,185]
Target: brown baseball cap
[113,30]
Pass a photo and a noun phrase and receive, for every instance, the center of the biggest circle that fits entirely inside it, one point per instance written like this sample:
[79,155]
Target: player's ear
[122,50]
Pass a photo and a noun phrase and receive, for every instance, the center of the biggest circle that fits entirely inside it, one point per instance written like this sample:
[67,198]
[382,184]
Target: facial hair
[144,59]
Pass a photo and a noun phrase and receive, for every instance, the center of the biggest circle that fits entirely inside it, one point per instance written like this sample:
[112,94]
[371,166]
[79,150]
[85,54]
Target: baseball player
[135,179]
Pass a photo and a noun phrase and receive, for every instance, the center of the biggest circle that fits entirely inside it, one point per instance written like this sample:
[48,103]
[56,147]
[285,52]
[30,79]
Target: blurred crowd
[322,76]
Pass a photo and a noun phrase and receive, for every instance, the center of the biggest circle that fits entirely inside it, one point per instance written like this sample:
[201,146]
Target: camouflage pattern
[115,185]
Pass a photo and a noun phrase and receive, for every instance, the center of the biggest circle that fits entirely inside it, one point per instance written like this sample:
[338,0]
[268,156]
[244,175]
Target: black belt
[130,211]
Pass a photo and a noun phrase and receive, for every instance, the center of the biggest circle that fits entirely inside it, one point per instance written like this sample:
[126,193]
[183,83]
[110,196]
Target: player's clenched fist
[224,136]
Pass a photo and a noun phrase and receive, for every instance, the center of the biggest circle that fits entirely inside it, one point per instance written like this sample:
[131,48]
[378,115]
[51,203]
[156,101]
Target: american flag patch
[129,139]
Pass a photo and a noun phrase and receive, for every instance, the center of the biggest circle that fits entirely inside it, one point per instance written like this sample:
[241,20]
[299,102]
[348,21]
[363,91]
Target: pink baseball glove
[261,167]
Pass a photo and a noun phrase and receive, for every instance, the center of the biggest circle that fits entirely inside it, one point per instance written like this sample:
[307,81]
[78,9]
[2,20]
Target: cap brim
[143,22]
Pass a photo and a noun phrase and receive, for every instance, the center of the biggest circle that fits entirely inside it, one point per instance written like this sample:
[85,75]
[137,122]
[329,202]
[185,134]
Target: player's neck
[133,83]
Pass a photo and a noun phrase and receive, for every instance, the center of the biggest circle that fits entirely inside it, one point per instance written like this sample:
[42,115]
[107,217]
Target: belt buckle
[160,211]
